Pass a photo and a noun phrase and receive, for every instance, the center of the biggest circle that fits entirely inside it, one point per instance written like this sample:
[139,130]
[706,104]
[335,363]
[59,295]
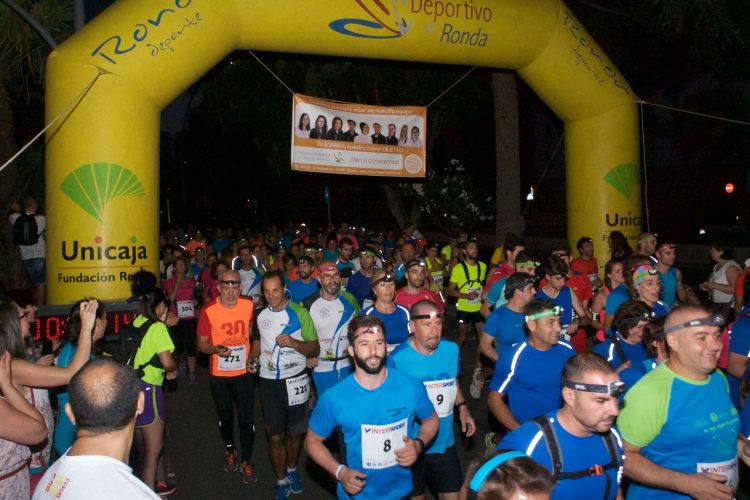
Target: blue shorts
[326,380]
[35,268]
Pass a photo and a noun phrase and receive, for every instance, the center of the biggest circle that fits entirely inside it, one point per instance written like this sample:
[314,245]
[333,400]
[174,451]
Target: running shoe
[181,369]
[248,473]
[282,491]
[477,381]
[164,490]
[230,461]
[295,482]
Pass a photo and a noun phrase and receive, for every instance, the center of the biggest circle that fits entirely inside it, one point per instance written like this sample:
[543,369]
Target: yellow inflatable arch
[102,171]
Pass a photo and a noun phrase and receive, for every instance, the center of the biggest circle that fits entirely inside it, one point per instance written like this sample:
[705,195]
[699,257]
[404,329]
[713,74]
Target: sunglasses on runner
[613,388]
[711,320]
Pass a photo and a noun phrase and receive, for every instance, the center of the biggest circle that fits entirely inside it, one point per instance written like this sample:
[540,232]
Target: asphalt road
[194,454]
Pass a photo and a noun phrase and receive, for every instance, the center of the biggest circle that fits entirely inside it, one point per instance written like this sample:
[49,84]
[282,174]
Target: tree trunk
[507,157]
[12,274]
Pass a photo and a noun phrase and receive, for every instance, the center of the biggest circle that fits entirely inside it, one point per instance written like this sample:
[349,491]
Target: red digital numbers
[53,327]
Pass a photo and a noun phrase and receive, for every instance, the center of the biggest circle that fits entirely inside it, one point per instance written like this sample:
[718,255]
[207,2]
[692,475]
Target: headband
[613,388]
[555,311]
[642,273]
[430,315]
[711,320]
[489,466]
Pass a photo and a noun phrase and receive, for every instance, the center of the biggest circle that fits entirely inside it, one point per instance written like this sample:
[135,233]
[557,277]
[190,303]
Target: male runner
[556,291]
[331,309]
[646,244]
[415,289]
[580,435]
[284,338]
[359,284]
[305,285]
[678,423]
[494,296]
[408,253]
[466,285]
[224,328]
[375,409]
[249,275]
[672,287]
[346,250]
[435,362]
[512,246]
[585,264]
[506,326]
[529,373]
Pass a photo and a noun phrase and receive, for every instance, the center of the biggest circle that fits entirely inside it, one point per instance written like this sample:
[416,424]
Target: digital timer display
[50,320]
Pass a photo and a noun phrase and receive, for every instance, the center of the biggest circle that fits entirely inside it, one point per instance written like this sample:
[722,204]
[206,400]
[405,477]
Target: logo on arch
[624,178]
[379,20]
[95,185]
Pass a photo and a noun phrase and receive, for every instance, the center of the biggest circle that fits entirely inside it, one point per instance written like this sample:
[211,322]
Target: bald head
[104,395]
[683,314]
[694,348]
[229,275]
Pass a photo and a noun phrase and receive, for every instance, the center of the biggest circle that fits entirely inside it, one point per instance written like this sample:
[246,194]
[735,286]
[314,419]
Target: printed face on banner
[327,147]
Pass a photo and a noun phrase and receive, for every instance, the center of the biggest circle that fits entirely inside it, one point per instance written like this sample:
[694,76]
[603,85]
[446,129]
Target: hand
[408,454]
[170,375]
[285,340]
[352,480]
[468,426]
[473,295]
[709,486]
[88,316]
[624,366]
[704,286]
[223,351]
[312,362]
[46,360]
[171,320]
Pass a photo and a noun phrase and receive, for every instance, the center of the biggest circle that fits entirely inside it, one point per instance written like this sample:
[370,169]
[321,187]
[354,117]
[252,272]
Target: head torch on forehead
[431,315]
[711,320]
[370,329]
[555,311]
[615,388]
[415,263]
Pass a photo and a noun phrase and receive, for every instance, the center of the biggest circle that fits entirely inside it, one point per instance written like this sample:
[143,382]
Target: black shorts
[279,417]
[442,471]
[469,317]
[184,336]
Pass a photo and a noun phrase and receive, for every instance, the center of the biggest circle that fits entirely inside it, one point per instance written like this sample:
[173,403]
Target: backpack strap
[618,347]
[553,448]
[468,277]
[142,331]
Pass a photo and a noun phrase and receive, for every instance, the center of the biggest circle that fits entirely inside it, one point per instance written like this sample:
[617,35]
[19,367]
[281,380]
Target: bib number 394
[298,390]
[236,360]
[380,442]
[185,309]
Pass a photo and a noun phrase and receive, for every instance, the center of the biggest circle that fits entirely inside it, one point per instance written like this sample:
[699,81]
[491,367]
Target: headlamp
[711,320]
[615,388]
[555,311]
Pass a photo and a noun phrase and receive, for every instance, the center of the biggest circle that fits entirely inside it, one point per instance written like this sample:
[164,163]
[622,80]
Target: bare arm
[468,426]
[736,364]
[308,348]
[644,471]
[487,348]
[497,405]
[20,422]
[351,479]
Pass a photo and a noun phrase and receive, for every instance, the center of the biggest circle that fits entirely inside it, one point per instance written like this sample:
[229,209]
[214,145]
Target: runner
[415,289]
[493,295]
[679,425]
[437,268]
[622,293]
[505,326]
[578,443]
[284,338]
[331,309]
[529,373]
[394,317]
[585,264]
[672,287]
[646,286]
[646,244]
[183,304]
[346,249]
[305,285]
[465,284]
[375,409]
[359,284]
[249,275]
[511,248]
[408,253]
[435,362]
[556,291]
[224,329]
[612,279]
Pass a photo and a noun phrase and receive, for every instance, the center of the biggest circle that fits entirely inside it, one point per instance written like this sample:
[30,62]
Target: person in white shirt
[105,399]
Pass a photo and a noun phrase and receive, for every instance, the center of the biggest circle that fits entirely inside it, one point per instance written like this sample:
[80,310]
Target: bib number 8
[387,445]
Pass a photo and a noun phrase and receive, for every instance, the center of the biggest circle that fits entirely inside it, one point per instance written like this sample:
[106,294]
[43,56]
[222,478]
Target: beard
[417,283]
[331,289]
[362,363]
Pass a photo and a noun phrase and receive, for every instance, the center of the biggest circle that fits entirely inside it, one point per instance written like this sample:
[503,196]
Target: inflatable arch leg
[102,177]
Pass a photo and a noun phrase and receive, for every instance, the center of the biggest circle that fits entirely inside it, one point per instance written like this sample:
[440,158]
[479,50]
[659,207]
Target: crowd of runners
[605,381]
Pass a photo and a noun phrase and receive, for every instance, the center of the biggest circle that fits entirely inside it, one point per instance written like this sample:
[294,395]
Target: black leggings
[227,391]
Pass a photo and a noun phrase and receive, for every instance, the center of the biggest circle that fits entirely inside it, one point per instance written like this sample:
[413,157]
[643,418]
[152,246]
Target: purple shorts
[153,405]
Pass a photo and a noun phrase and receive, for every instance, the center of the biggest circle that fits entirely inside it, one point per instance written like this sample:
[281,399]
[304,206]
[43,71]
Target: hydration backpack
[128,343]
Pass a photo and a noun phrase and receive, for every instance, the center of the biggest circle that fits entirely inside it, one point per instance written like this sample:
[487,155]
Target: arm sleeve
[645,411]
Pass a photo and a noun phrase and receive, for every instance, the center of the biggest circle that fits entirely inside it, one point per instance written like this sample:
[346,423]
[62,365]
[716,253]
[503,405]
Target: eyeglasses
[555,311]
[613,388]
[711,320]
[327,277]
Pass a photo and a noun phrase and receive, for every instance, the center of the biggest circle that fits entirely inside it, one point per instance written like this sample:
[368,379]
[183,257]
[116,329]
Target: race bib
[442,393]
[438,280]
[380,442]
[298,390]
[564,335]
[185,309]
[237,359]
[727,469]
[478,300]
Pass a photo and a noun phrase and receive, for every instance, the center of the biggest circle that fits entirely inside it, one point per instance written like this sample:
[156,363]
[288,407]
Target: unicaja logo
[380,20]
[624,178]
[94,185]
